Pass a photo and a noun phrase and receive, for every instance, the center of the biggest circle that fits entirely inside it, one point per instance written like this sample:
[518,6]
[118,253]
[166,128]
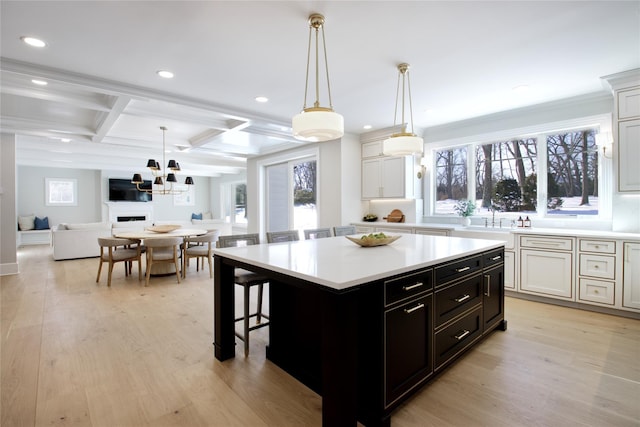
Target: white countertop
[338,263]
[571,232]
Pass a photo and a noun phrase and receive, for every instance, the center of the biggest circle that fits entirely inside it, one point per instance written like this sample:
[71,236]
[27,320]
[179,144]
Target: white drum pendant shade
[318,126]
[402,145]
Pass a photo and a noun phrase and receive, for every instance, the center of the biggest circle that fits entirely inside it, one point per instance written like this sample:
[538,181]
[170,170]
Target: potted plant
[465,209]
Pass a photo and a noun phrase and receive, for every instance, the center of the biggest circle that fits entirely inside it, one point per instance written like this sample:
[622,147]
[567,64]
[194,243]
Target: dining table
[144,234]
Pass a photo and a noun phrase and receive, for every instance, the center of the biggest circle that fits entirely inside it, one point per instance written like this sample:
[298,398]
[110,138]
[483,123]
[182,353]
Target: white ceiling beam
[106,121]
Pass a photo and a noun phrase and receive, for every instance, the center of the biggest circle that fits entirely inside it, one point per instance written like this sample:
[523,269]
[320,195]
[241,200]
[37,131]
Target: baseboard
[8,269]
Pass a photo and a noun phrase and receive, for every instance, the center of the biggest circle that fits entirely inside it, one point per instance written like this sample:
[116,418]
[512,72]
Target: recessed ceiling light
[366,127]
[262,99]
[32,41]
[39,82]
[165,74]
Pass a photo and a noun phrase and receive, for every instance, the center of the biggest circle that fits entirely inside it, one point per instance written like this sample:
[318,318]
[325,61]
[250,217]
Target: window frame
[601,122]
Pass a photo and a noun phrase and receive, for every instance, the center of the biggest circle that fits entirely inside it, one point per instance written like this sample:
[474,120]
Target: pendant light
[403,143]
[162,178]
[317,123]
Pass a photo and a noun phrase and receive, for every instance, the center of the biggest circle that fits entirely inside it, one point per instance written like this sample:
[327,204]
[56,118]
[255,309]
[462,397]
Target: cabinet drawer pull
[462,335]
[462,298]
[495,258]
[545,243]
[488,291]
[460,270]
[408,288]
[411,310]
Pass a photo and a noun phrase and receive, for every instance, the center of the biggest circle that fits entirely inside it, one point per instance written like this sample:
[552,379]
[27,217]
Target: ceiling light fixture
[162,179]
[32,41]
[165,74]
[262,99]
[403,143]
[39,82]
[317,123]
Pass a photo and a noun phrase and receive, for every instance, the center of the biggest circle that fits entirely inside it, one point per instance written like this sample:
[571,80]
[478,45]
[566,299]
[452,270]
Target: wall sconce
[423,167]
[604,140]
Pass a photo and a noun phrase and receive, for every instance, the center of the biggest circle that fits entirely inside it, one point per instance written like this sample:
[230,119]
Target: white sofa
[78,240]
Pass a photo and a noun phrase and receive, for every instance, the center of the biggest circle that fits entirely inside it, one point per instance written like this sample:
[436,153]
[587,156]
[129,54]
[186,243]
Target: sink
[488,233]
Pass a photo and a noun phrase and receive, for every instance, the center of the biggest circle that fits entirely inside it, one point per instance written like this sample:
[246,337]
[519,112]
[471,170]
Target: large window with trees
[508,175]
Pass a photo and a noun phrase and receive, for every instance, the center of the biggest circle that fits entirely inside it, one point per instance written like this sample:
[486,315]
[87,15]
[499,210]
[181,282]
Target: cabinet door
[372,149]
[628,155]
[393,179]
[371,179]
[492,297]
[547,273]
[509,270]
[408,346]
[631,276]
[628,103]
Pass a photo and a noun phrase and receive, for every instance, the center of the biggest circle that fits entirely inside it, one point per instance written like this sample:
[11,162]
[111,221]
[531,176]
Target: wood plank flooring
[77,353]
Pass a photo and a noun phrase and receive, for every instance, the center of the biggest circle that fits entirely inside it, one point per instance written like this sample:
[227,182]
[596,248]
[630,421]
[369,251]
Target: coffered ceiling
[104,96]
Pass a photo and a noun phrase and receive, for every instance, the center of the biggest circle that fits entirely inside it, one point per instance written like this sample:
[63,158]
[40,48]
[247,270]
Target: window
[61,192]
[235,202]
[291,195]
[451,179]
[507,175]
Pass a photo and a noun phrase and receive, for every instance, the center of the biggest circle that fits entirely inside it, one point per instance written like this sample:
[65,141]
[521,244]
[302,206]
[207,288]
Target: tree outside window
[451,179]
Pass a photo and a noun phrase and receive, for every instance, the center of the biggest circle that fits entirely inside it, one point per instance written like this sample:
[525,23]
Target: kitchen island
[366,327]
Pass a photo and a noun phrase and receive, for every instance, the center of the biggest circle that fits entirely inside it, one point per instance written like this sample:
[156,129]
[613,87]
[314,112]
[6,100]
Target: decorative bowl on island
[373,239]
[163,228]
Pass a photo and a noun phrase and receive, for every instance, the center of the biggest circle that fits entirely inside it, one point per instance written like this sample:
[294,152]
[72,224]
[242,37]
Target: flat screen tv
[123,190]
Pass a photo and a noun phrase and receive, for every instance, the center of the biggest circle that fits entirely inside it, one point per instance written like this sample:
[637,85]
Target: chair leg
[110,272]
[139,269]
[99,270]
[177,264]
[149,263]
[210,267]
[259,311]
[247,295]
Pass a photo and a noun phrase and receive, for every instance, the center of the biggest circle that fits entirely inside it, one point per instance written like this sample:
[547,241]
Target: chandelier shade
[403,143]
[317,123]
[162,179]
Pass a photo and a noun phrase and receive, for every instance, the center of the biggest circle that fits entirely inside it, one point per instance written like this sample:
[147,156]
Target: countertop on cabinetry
[570,232]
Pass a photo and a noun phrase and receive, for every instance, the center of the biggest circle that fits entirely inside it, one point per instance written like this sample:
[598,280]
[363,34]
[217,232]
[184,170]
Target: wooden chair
[344,230]
[283,236]
[113,250]
[247,280]
[163,250]
[317,233]
[200,248]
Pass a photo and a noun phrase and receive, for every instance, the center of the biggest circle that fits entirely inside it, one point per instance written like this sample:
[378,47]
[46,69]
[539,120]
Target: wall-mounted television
[123,190]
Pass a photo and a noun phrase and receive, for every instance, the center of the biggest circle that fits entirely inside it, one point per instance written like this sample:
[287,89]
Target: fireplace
[124,218]
[130,211]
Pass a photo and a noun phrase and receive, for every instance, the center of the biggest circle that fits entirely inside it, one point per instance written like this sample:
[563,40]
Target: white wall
[31,194]
[8,225]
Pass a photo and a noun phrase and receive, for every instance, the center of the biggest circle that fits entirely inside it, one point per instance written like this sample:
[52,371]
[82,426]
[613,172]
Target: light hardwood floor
[79,353]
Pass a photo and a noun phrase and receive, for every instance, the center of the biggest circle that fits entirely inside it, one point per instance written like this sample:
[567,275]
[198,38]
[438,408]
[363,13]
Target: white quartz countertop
[571,232]
[338,263]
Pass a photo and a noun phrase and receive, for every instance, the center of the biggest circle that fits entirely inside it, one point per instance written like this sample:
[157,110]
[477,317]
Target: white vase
[466,221]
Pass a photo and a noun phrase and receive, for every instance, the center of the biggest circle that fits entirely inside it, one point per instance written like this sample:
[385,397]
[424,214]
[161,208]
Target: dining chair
[283,236]
[163,250]
[247,279]
[344,230]
[113,250]
[200,248]
[317,233]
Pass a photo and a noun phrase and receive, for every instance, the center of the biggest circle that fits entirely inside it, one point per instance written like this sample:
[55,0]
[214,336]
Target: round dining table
[164,268]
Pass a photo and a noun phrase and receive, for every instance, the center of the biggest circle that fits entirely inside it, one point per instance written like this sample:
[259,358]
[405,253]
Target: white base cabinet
[631,275]
[510,270]
[547,273]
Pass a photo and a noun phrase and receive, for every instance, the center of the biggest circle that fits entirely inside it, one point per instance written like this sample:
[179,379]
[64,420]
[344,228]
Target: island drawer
[457,336]
[493,257]
[598,246]
[544,242]
[448,272]
[407,286]
[458,298]
[597,291]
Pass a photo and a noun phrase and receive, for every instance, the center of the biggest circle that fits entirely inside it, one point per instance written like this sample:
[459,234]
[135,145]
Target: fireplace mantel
[130,209]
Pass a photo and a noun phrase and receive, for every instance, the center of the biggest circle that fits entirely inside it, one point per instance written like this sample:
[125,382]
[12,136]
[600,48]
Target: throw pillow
[207,215]
[41,223]
[26,223]
[196,216]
